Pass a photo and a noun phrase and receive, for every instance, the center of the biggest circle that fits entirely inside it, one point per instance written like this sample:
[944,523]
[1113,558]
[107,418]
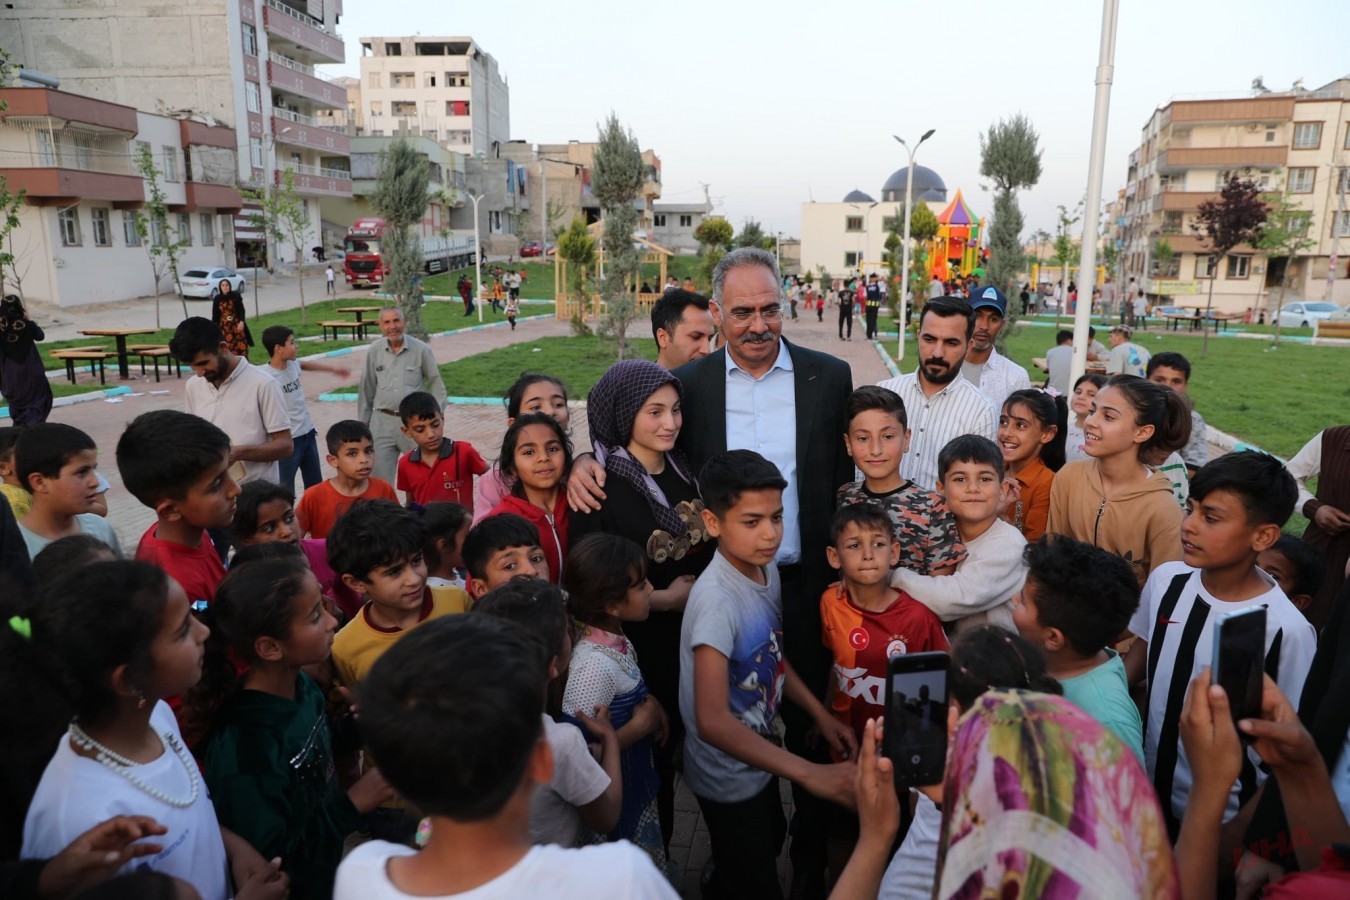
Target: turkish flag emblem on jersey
[858,639]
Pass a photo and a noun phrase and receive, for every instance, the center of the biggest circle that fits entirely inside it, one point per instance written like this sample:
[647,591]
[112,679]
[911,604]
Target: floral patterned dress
[229,316]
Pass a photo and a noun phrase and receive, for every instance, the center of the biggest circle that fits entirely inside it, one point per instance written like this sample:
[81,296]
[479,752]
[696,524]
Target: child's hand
[370,791]
[599,724]
[1207,733]
[97,854]
[839,737]
[266,883]
[662,732]
[874,788]
[835,782]
[1278,736]
[1009,493]
[675,595]
[346,694]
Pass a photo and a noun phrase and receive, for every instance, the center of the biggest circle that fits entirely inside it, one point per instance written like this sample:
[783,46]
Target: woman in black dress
[651,498]
[23,379]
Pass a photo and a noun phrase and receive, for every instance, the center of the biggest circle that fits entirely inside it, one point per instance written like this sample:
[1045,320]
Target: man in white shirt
[332,277]
[940,403]
[994,374]
[935,288]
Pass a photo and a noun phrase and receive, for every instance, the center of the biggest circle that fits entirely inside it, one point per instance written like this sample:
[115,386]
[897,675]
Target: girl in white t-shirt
[115,639]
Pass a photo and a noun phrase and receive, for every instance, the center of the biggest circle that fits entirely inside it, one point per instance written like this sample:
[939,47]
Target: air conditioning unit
[1253,127]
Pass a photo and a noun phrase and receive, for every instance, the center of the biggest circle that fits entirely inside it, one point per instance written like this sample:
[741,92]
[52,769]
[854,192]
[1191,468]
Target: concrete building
[446,191]
[1291,142]
[447,88]
[74,158]
[849,237]
[248,64]
[673,224]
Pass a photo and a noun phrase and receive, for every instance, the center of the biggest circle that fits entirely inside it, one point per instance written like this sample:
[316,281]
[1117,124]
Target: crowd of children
[439,671]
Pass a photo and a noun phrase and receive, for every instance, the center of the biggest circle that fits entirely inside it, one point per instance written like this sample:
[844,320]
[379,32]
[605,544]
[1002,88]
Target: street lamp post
[477,255]
[904,265]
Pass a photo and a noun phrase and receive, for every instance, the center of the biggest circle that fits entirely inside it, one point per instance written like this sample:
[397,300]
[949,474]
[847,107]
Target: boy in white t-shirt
[1237,505]
[453,712]
[581,790]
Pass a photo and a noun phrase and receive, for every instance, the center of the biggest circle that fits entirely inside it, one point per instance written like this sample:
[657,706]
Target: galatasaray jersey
[861,643]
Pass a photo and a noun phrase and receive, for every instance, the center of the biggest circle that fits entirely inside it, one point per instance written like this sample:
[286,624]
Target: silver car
[204,284]
[1304,314]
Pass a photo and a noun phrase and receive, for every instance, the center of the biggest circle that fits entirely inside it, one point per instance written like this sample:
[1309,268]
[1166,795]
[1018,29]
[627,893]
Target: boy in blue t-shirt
[732,678]
[1076,600]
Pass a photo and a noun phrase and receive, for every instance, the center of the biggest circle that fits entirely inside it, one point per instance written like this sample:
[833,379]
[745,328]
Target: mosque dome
[928,185]
[857,196]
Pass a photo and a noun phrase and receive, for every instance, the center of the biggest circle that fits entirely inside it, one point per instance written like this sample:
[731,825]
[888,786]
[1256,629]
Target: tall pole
[904,265]
[543,212]
[1106,56]
[477,256]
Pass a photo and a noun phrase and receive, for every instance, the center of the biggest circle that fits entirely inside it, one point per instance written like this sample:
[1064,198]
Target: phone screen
[915,731]
[1239,660]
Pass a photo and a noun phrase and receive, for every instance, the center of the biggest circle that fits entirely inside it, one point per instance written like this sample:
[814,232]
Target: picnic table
[359,311]
[1094,367]
[1197,318]
[120,335]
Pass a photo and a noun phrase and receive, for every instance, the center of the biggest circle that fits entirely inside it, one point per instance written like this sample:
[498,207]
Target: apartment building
[1293,143]
[74,157]
[673,224]
[446,88]
[446,190]
[247,64]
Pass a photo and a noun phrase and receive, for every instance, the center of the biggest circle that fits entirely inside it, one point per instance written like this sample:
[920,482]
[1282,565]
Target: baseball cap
[992,297]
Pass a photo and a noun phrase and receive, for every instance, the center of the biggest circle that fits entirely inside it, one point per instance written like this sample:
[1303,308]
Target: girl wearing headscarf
[227,311]
[1042,801]
[23,378]
[651,497]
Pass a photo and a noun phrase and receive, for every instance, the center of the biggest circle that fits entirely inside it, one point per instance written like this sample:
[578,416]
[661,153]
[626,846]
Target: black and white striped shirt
[957,409]
[1176,616]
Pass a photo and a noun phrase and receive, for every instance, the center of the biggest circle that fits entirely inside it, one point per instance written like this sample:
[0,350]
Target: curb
[104,394]
[886,359]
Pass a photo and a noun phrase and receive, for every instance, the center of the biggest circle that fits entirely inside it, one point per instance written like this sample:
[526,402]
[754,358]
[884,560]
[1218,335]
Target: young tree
[752,235]
[714,234]
[266,219]
[9,202]
[1284,236]
[618,174]
[577,248]
[1010,158]
[160,241]
[1235,218]
[400,197]
[292,218]
[1067,253]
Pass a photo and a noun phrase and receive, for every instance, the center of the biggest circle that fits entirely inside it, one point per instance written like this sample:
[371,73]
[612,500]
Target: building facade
[446,189]
[446,88]
[673,224]
[75,159]
[246,64]
[1293,143]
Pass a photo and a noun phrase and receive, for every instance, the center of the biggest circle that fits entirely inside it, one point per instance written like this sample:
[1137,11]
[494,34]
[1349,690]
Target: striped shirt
[959,408]
[1176,617]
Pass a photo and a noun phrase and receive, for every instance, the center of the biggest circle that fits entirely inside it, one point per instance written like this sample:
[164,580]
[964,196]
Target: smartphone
[914,736]
[1239,660]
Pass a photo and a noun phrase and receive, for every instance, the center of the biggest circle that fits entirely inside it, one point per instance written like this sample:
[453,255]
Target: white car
[204,284]
[1304,313]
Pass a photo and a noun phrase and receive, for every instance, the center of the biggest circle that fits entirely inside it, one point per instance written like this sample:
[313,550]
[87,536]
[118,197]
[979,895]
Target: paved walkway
[481,425]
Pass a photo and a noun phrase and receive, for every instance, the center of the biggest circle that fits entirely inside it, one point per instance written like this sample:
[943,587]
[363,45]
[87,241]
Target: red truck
[364,266]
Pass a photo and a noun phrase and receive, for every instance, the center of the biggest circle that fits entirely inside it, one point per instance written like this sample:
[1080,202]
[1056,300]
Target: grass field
[539,277]
[578,361]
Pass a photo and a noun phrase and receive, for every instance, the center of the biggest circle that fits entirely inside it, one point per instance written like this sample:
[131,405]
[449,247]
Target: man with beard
[940,404]
[994,374]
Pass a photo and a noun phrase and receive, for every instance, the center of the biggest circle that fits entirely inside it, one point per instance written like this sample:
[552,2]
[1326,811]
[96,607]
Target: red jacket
[552,534]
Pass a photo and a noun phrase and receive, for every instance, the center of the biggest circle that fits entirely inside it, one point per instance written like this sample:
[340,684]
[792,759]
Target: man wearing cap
[873,305]
[993,373]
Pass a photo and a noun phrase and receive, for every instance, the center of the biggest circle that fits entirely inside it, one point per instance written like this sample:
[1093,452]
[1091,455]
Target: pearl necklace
[124,767]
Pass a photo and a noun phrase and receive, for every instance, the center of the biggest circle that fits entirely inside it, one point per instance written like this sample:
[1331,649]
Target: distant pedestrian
[227,312]
[846,299]
[512,310]
[465,287]
[331,276]
[23,378]
[396,365]
[872,303]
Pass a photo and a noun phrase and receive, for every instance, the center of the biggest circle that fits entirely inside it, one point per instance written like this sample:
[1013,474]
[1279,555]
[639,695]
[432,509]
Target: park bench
[1332,328]
[95,358]
[155,353]
[358,329]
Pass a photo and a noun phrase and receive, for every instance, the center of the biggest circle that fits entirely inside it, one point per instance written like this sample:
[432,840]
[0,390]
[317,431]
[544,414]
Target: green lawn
[539,277]
[578,361]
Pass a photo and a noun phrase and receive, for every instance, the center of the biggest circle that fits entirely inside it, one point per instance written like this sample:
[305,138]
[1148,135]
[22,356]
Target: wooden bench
[1332,328]
[95,358]
[358,329]
[154,353]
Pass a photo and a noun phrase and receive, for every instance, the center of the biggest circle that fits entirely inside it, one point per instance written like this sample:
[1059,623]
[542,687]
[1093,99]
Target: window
[1301,181]
[1299,223]
[69,222]
[376,80]
[1340,224]
[1347,137]
[456,79]
[252,97]
[46,151]
[170,163]
[686,221]
[255,152]
[404,108]
[250,40]
[1239,266]
[1205,266]
[1307,135]
[853,223]
[428,79]
[1343,182]
[130,235]
[393,49]
[158,233]
[659,220]
[208,222]
[850,260]
[377,107]
[402,80]
[1270,136]
[98,219]
[185,228]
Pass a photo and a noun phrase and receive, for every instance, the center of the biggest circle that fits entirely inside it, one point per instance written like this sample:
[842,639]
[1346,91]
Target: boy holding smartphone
[1238,504]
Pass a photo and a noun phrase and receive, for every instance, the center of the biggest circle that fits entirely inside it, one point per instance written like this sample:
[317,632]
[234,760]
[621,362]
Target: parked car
[531,248]
[204,284]
[1303,313]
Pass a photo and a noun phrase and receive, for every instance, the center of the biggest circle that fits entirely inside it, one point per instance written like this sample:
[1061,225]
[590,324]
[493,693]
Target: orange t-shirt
[322,505]
[1031,513]
[862,642]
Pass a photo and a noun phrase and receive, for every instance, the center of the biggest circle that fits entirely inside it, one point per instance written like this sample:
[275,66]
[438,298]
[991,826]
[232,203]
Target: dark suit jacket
[823,383]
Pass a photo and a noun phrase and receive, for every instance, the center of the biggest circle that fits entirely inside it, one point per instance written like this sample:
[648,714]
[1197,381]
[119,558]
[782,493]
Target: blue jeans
[303,459]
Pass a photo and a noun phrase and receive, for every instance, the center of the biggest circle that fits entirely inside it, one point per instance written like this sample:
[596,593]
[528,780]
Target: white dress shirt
[762,416]
[1305,465]
[1000,378]
[959,408]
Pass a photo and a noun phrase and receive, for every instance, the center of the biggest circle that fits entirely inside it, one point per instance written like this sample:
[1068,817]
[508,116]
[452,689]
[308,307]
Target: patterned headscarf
[611,407]
[1042,801]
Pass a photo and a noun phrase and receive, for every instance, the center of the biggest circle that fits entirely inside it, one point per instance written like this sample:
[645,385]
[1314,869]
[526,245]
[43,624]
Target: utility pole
[477,255]
[904,266]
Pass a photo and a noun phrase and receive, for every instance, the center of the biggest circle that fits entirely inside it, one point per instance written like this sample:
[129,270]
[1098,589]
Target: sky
[776,105]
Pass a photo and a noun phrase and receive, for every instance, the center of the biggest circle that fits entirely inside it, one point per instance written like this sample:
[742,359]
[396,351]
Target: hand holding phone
[915,735]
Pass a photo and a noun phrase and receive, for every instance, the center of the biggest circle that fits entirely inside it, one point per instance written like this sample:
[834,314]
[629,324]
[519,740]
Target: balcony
[1243,109]
[285,74]
[301,131]
[1176,159]
[46,104]
[318,182]
[1169,200]
[64,178]
[222,197]
[305,32]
